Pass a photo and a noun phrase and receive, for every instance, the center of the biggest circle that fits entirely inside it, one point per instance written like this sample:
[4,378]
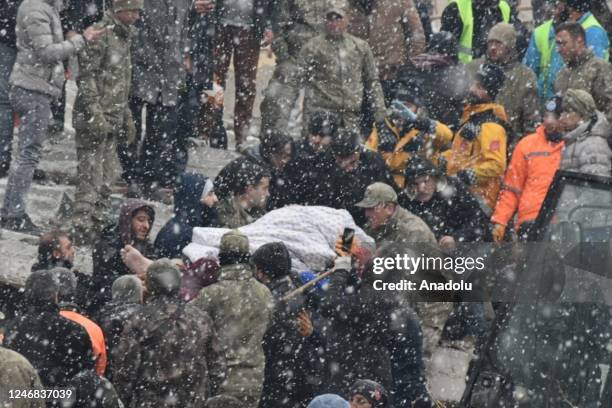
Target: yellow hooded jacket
[396,160]
[483,151]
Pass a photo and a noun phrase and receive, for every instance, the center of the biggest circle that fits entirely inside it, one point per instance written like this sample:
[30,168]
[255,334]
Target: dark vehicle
[551,344]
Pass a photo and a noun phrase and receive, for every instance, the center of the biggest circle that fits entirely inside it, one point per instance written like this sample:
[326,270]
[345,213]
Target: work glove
[498,231]
[442,164]
[424,124]
[467,177]
[341,252]
[386,139]
[469,131]
[304,324]
[342,263]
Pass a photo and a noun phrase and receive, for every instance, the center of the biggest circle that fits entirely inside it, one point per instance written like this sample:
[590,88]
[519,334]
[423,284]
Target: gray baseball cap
[376,194]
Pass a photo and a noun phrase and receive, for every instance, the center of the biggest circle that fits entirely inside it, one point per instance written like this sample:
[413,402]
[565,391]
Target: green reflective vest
[467,19]
[545,45]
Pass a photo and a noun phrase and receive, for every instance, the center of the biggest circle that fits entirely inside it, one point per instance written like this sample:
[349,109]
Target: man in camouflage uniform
[168,353]
[248,196]
[582,69]
[102,115]
[294,23]
[338,71]
[241,310]
[518,95]
[388,222]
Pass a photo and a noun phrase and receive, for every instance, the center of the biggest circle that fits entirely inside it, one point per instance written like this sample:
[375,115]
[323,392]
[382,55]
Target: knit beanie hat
[123,5]
[345,144]
[579,101]
[41,287]
[418,166]
[274,259]
[234,241]
[491,77]
[372,391]
[329,401]
[505,34]
[324,123]
[163,277]
[128,289]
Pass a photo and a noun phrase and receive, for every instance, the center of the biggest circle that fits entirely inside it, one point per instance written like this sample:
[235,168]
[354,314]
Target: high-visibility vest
[467,19]
[545,46]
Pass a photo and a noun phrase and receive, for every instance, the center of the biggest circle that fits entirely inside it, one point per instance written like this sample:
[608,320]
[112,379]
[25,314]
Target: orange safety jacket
[533,165]
[96,336]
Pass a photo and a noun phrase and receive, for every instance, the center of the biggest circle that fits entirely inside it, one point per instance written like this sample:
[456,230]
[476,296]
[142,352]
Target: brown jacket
[393,30]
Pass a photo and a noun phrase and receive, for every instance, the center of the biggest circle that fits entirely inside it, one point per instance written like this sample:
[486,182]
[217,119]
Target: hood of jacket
[601,128]
[495,108]
[126,212]
[187,196]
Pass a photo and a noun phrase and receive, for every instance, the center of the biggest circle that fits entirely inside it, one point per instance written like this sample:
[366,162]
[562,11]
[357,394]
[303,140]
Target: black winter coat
[380,341]
[8,17]
[57,347]
[107,262]
[452,211]
[189,212]
[347,189]
[288,355]
[308,175]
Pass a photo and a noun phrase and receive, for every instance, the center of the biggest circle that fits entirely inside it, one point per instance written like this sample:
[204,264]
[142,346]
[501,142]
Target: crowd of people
[428,139]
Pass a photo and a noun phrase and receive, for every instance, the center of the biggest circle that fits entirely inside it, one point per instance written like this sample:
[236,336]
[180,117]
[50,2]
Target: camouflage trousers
[97,161]
[280,96]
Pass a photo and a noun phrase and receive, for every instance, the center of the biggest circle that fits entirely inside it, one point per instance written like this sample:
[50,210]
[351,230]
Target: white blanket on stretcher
[310,234]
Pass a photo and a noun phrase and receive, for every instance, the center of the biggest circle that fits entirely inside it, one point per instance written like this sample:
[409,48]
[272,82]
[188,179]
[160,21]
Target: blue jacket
[189,212]
[596,39]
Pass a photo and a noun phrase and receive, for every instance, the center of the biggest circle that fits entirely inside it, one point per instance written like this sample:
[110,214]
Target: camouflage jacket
[591,74]
[295,22]
[337,73]
[105,73]
[518,96]
[16,373]
[168,351]
[241,309]
[231,215]
[402,227]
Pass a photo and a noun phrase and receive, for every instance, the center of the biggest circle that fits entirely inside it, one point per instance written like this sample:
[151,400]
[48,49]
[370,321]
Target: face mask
[473,99]
[554,137]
